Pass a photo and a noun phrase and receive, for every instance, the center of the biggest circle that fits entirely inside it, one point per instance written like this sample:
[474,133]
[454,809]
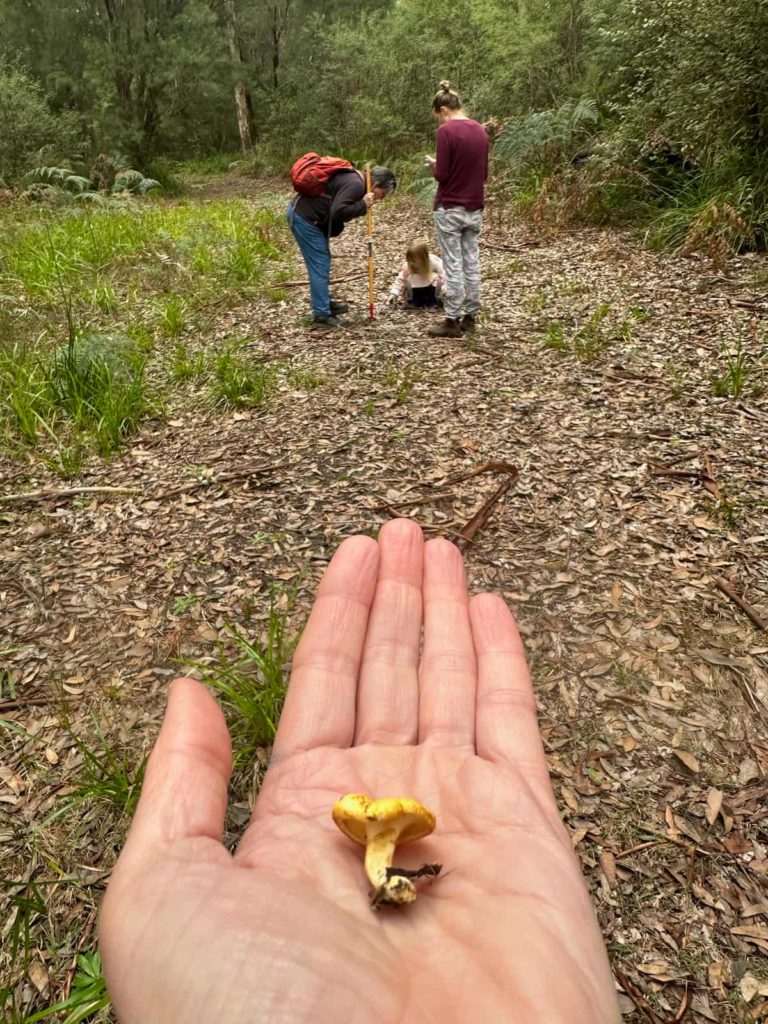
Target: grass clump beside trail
[90,298]
[250,677]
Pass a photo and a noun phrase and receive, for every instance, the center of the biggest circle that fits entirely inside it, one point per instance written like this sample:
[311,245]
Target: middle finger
[448,679]
[388,692]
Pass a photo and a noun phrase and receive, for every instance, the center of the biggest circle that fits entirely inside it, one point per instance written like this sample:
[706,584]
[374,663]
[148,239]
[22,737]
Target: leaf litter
[624,489]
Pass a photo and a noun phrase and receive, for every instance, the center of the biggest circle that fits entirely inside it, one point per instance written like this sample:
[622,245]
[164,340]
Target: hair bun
[445,85]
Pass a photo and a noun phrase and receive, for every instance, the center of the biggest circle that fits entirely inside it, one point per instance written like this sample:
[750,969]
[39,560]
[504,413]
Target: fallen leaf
[719,974]
[748,987]
[714,803]
[608,864]
[748,770]
[577,835]
[688,759]
[38,975]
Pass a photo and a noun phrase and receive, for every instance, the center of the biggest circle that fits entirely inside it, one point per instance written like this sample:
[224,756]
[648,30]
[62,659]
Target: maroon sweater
[462,164]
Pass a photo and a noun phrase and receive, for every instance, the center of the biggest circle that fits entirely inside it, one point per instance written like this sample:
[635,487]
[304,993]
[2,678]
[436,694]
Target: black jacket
[343,201]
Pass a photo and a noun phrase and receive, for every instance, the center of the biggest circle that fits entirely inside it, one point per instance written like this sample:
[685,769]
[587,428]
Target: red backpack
[311,172]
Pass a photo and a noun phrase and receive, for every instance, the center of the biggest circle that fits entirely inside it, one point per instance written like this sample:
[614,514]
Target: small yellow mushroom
[381,826]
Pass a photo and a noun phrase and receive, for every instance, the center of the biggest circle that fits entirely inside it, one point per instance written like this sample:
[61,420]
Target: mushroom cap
[360,817]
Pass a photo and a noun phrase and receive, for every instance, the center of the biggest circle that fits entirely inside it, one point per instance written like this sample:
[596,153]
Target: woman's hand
[282,930]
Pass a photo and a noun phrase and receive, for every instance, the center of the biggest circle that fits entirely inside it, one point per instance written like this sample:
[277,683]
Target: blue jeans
[317,255]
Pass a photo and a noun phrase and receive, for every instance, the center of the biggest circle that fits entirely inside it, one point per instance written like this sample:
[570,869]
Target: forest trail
[639,489]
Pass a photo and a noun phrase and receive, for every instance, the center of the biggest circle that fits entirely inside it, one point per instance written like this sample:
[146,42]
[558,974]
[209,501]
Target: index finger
[320,703]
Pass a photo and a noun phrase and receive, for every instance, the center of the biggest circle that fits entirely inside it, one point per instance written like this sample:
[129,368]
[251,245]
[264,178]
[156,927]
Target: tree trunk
[243,104]
[243,118]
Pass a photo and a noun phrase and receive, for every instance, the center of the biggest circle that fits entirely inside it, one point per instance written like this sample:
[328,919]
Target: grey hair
[384,178]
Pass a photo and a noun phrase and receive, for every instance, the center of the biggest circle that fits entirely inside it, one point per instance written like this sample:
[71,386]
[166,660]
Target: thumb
[185,786]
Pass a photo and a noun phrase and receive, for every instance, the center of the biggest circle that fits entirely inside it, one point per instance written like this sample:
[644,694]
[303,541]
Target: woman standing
[461,169]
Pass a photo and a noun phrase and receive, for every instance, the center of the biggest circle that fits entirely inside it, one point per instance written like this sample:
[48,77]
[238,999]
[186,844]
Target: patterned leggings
[457,232]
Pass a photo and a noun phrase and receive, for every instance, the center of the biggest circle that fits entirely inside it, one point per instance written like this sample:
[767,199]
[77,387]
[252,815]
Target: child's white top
[406,279]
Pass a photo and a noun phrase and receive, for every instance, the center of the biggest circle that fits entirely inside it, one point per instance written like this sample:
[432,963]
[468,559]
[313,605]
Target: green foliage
[731,381]
[108,776]
[98,381]
[240,381]
[133,181]
[27,124]
[183,366]
[718,213]
[62,177]
[173,315]
[593,337]
[88,995]
[125,182]
[554,337]
[93,384]
[608,109]
[548,137]
[252,682]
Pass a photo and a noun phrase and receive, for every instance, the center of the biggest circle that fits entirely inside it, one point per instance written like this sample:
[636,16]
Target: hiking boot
[325,323]
[338,307]
[468,323]
[446,329]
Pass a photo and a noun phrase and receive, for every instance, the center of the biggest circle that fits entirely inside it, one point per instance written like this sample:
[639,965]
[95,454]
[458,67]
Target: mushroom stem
[387,888]
[379,851]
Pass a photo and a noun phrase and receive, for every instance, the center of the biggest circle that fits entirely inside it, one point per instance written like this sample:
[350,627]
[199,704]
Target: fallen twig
[419,499]
[483,514]
[67,492]
[494,466]
[730,591]
[704,475]
[18,704]
[645,1007]
[708,481]
[222,478]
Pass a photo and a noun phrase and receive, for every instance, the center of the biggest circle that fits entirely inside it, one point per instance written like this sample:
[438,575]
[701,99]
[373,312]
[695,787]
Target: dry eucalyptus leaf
[748,986]
[688,759]
[714,803]
[38,975]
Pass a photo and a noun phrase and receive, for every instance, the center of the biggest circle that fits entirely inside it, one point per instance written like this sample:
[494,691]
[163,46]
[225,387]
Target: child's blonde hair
[417,257]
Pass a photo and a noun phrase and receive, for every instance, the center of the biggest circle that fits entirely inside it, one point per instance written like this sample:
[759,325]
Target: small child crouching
[421,280]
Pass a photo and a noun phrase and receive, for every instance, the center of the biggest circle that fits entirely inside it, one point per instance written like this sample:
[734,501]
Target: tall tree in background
[243,101]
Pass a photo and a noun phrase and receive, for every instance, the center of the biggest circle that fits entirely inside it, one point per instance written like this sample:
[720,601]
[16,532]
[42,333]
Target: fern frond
[90,196]
[556,130]
[61,177]
[130,180]
[423,191]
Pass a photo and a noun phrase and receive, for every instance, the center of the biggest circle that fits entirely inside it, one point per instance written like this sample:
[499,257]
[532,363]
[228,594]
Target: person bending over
[314,220]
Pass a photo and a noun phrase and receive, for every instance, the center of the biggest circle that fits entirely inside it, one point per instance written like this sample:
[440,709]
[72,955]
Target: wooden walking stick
[370,244]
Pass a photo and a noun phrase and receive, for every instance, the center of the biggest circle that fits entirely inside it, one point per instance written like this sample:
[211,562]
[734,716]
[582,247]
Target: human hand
[282,930]
[369,199]
[429,161]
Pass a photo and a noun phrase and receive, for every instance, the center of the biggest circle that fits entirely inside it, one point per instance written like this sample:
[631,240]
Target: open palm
[282,931]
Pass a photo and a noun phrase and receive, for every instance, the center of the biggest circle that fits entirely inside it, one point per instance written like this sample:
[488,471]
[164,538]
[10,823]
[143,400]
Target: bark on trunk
[243,118]
[243,105]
